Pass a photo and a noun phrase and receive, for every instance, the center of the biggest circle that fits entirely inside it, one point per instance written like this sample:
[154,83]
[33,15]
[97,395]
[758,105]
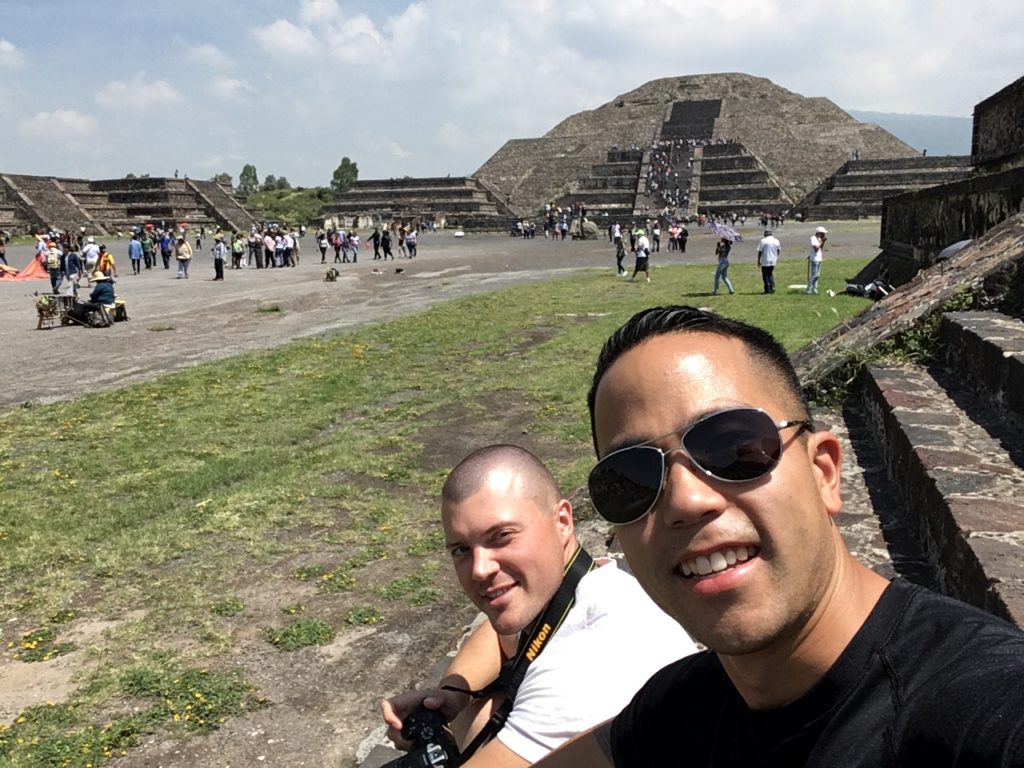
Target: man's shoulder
[960,673]
[947,633]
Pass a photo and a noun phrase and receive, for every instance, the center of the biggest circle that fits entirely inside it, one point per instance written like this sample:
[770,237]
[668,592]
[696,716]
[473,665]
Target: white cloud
[323,29]
[10,56]
[284,40]
[137,93]
[209,56]
[59,125]
[230,87]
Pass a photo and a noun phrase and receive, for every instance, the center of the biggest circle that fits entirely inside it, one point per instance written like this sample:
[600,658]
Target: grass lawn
[158,500]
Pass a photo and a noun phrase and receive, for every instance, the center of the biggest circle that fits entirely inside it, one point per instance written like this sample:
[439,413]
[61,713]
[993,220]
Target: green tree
[269,183]
[248,181]
[282,183]
[222,178]
[345,176]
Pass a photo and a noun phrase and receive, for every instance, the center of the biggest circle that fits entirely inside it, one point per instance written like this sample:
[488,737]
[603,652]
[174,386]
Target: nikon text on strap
[531,644]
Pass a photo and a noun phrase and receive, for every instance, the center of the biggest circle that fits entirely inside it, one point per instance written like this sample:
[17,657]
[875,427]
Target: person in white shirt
[767,257]
[512,541]
[642,251]
[814,256]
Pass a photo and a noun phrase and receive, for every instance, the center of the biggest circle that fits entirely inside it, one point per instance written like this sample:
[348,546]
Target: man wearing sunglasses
[724,497]
[513,545]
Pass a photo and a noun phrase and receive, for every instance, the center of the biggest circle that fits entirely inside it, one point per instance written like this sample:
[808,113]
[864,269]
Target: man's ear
[826,456]
[564,520]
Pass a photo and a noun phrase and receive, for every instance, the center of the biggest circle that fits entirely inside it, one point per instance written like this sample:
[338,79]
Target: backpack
[52,259]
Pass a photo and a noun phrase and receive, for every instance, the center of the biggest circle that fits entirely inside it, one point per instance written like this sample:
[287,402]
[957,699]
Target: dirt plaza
[176,323]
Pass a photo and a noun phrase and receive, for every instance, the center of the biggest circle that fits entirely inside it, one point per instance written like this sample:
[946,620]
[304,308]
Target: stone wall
[999,125]
[917,225]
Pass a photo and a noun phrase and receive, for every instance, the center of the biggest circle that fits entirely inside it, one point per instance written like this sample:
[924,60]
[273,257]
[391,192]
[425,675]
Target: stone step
[871,520]
[987,350]
[944,447]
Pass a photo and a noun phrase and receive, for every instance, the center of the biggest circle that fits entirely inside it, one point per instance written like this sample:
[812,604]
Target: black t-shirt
[927,681]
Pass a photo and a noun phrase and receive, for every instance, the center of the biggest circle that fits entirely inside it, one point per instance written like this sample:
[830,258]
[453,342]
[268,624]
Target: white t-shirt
[91,254]
[816,248]
[643,244]
[769,249]
[612,641]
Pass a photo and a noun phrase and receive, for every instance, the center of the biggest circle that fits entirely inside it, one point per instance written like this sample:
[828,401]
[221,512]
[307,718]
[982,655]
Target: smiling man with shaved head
[724,495]
[582,639]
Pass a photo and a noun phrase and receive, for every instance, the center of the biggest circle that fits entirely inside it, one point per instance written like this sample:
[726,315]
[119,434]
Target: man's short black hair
[657,321]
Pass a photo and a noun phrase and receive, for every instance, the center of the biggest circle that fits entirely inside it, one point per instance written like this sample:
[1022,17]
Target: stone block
[974,514]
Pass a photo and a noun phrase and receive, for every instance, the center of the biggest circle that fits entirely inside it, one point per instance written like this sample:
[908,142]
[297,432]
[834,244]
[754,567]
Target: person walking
[642,251]
[620,249]
[183,253]
[135,254]
[375,239]
[722,271]
[767,256]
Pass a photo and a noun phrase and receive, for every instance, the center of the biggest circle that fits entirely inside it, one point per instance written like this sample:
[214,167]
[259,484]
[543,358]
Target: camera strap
[531,644]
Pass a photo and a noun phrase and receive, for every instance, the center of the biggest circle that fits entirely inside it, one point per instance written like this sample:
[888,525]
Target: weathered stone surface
[984,514]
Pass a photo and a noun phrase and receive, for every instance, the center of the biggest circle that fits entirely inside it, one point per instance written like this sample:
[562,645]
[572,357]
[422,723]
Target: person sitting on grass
[513,545]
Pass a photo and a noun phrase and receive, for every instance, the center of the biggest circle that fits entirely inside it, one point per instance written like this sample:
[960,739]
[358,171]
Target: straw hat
[97,276]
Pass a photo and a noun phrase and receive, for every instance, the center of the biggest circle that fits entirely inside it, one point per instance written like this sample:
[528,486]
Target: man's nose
[484,564]
[688,494]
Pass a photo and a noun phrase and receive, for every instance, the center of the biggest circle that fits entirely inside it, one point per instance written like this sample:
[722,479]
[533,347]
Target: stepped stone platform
[459,201]
[858,188]
[917,226]
[30,203]
[959,472]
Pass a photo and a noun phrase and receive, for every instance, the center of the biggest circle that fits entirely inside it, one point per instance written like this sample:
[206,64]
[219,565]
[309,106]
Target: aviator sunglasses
[735,446]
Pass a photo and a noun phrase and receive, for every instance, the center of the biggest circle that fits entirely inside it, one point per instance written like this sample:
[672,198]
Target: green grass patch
[301,633]
[229,606]
[154,695]
[162,498]
[415,589]
[363,615]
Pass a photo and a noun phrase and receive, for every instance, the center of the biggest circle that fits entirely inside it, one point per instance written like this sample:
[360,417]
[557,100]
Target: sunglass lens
[625,484]
[735,445]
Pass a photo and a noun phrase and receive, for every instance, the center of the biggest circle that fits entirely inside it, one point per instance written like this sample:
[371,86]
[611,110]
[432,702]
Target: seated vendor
[102,295]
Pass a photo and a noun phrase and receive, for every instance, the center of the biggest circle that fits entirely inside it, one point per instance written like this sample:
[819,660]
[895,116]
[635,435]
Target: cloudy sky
[101,89]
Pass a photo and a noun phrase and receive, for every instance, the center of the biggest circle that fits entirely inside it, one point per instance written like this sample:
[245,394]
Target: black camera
[434,747]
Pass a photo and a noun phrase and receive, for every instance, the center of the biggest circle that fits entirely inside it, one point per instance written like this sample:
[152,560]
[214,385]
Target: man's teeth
[716,561]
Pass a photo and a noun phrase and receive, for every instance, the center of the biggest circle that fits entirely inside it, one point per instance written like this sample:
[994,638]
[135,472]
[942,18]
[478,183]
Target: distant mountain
[939,134]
